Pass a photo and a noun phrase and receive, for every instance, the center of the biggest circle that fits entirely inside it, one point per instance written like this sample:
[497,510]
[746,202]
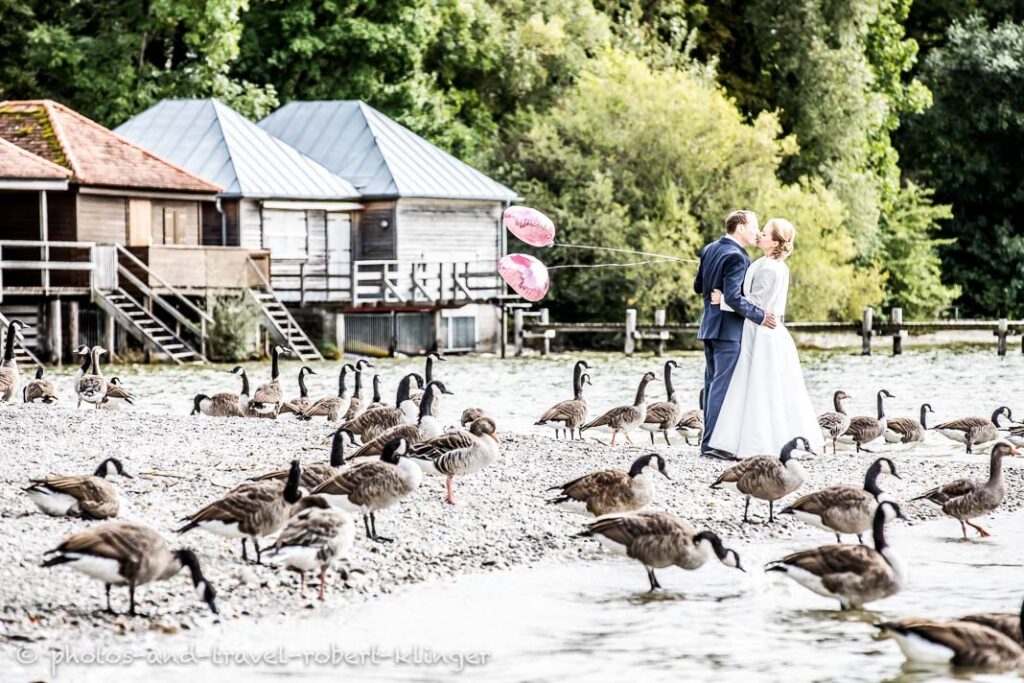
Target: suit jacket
[723,265]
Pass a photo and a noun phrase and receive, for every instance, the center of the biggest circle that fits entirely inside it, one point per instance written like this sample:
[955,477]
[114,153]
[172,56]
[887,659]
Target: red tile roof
[17,164]
[95,155]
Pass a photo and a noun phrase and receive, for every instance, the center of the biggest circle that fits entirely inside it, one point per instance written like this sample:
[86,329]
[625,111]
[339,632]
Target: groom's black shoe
[718,454]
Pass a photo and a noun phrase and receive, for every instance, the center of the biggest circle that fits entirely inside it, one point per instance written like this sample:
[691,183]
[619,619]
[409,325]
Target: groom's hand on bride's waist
[769,321]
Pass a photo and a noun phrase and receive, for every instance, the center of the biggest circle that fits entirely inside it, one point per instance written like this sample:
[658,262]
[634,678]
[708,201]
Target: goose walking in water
[315,535]
[966,499]
[907,429]
[834,424]
[864,430]
[459,453]
[91,387]
[73,495]
[570,414]
[659,540]
[332,407]
[625,418]
[853,574]
[609,491]
[266,402]
[962,644]
[972,431]
[128,554]
[298,405]
[39,390]
[664,416]
[766,477]
[10,378]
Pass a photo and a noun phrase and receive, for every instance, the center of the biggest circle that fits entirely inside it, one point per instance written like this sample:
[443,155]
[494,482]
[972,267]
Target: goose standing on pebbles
[459,453]
[299,405]
[659,540]
[428,377]
[357,405]
[471,414]
[567,415]
[88,496]
[973,431]
[961,643]
[766,477]
[10,378]
[625,418]
[370,424]
[266,402]
[426,427]
[965,499]
[332,407]
[250,511]
[664,416]
[907,429]
[315,535]
[691,422]
[864,430]
[853,574]
[91,387]
[118,394]
[39,390]
[126,553]
[844,509]
[834,424]
[609,491]
[319,472]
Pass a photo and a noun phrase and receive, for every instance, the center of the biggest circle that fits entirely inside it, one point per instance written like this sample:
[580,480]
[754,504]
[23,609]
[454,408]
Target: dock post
[865,331]
[56,333]
[659,321]
[1001,335]
[545,318]
[517,332]
[109,335]
[897,332]
[630,343]
[72,325]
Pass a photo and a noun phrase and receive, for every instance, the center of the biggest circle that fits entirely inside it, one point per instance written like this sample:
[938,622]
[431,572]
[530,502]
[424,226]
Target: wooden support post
[865,332]
[517,333]
[897,332]
[545,348]
[109,336]
[630,342]
[72,325]
[439,340]
[393,344]
[1001,337]
[56,345]
[659,321]
[504,330]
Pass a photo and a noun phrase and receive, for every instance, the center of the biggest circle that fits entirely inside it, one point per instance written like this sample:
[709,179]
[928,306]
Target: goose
[72,495]
[834,424]
[1007,623]
[459,453]
[117,394]
[864,430]
[960,643]
[126,553]
[372,423]
[659,540]
[625,418]
[299,405]
[426,427]
[471,414]
[266,402]
[218,405]
[10,378]
[243,396]
[369,487]
[356,405]
[249,511]
[574,411]
[907,429]
[608,491]
[844,509]
[853,574]
[1015,435]
[766,477]
[315,534]
[566,415]
[91,387]
[39,390]
[428,376]
[664,416]
[317,473]
[82,351]
[376,401]
[332,407]
[974,430]
[691,422]
[965,499]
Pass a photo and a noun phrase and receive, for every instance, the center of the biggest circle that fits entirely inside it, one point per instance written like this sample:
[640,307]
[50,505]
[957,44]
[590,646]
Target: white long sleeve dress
[766,404]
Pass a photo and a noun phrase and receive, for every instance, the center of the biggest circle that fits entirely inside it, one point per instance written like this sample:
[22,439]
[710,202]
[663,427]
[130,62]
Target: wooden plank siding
[102,219]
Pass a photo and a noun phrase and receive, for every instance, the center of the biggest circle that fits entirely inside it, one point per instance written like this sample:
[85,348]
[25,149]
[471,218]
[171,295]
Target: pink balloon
[526,275]
[529,225]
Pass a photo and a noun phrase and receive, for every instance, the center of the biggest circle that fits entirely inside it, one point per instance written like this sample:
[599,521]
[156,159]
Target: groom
[723,265]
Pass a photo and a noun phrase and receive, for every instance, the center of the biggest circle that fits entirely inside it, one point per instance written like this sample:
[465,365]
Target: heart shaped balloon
[529,225]
[526,275]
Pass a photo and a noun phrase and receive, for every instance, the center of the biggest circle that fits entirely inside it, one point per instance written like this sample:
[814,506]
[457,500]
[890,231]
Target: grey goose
[39,390]
[835,423]
[625,418]
[569,414]
[664,415]
[89,496]
[972,431]
[907,429]
[864,430]
[766,477]
[459,453]
[314,536]
[609,491]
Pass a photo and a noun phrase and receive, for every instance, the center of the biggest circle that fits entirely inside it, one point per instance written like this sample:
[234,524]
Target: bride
[766,403]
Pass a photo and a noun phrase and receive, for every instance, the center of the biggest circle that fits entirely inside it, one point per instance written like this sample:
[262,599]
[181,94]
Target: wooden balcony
[200,269]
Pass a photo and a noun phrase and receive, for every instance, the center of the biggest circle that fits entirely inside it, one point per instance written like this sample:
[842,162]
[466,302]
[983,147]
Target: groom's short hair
[736,219]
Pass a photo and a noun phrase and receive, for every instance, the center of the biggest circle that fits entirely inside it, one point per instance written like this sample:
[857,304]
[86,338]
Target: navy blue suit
[723,265]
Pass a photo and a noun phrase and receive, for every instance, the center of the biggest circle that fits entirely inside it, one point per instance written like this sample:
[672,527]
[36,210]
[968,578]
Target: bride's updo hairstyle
[783,232]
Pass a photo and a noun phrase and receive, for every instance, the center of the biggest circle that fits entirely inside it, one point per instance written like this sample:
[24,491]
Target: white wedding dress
[766,404]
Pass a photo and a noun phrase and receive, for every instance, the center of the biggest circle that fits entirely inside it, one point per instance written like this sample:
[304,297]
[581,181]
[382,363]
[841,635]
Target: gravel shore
[181,463]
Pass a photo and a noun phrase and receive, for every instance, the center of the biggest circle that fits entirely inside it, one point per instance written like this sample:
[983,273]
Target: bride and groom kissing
[755,400]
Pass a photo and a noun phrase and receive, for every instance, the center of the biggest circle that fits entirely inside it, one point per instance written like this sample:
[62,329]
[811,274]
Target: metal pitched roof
[217,143]
[381,157]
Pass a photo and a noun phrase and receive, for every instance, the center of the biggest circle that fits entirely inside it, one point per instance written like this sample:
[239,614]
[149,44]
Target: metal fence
[380,334]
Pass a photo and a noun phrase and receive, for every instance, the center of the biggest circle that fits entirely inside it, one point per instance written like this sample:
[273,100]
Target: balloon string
[617,265]
[624,251]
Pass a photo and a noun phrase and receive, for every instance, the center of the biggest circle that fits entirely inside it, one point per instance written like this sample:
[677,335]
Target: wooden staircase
[146,327]
[282,325]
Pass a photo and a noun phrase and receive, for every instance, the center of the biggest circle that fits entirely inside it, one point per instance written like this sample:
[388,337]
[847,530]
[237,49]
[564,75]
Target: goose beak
[448,393]
[495,437]
[1014,450]
[897,476]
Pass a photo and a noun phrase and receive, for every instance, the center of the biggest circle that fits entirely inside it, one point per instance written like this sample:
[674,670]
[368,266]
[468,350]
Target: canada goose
[369,487]
[974,430]
[357,405]
[459,453]
[332,407]
[300,404]
[659,540]
[844,509]
[315,534]
[317,473]
[766,477]
[864,430]
[834,424]
[218,405]
[471,414]
[625,418]
[853,574]
[960,643]
[117,393]
[126,553]
[965,499]
[266,402]
[370,424]
[906,429]
[691,422]
[82,351]
[1007,623]
[609,491]
[567,415]
[249,511]
[39,390]
[560,415]
[375,401]
[1015,435]
[426,427]
[92,388]
[428,376]
[88,496]
[664,416]
[243,396]
[10,378]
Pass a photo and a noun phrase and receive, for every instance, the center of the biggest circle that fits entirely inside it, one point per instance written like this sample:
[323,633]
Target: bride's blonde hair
[783,232]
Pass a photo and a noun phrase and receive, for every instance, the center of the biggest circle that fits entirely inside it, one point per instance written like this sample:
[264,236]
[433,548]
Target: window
[459,333]
[284,233]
